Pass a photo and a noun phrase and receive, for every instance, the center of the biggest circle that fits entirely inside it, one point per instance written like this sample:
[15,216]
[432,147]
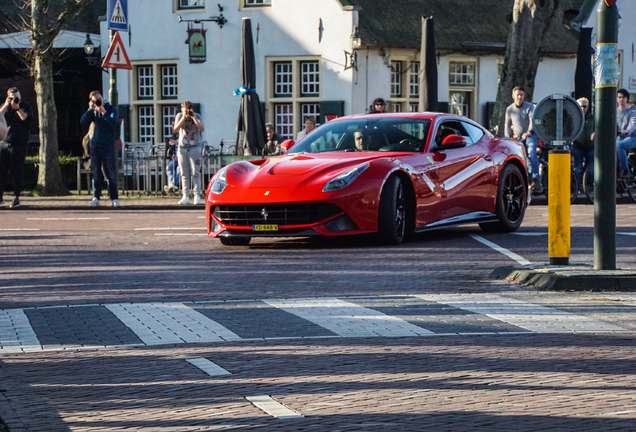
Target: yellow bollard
[559,207]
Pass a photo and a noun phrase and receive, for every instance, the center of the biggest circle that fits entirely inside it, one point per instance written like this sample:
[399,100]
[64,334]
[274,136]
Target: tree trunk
[50,174]
[530,21]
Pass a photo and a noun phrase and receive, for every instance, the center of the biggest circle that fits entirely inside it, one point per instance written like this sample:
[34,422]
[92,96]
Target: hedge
[68,165]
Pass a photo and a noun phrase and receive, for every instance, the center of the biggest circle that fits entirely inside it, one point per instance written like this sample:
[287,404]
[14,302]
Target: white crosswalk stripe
[348,319]
[16,333]
[170,323]
[536,318]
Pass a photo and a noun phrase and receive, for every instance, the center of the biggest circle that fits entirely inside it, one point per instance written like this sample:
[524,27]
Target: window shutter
[124,113]
[195,106]
[330,108]
[443,107]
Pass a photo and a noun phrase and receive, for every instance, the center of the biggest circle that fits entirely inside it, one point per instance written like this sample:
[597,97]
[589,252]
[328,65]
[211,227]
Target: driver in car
[361,141]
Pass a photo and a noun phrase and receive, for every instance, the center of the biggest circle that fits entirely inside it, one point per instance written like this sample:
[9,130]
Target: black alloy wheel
[392,213]
[511,201]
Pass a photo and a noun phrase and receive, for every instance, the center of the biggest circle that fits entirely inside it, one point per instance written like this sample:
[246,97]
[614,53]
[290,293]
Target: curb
[569,278]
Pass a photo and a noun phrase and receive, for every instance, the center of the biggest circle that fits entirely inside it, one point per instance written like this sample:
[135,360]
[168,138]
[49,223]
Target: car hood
[296,169]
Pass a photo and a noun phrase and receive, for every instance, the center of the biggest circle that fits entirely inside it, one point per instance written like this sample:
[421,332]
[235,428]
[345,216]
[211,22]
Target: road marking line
[521,260]
[170,323]
[208,367]
[69,219]
[168,229]
[16,333]
[536,318]
[530,234]
[19,229]
[627,233]
[348,319]
[179,234]
[273,407]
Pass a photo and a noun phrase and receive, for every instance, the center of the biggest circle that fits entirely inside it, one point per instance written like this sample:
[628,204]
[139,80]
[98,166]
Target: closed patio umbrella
[251,123]
[428,67]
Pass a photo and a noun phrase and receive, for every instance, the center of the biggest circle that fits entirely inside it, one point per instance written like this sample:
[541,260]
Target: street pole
[606,67]
[113,97]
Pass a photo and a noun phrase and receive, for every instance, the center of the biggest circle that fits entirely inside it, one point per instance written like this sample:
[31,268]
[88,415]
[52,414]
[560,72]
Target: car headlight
[219,182]
[345,179]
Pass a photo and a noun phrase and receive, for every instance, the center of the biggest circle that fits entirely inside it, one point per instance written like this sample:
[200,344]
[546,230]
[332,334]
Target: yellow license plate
[265,227]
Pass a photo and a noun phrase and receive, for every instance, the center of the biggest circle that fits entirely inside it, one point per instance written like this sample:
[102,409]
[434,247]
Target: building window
[414,80]
[145,82]
[169,85]
[293,93]
[168,113]
[283,79]
[249,3]
[310,76]
[405,85]
[462,88]
[461,73]
[284,120]
[191,4]
[153,101]
[396,79]
[147,123]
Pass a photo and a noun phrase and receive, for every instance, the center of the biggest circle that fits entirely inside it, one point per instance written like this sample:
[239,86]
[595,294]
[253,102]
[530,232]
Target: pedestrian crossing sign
[118,15]
[116,57]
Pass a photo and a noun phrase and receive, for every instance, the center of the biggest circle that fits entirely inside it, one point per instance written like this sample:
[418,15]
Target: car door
[464,176]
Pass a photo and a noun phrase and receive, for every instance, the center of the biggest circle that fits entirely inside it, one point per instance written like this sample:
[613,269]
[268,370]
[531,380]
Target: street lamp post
[606,73]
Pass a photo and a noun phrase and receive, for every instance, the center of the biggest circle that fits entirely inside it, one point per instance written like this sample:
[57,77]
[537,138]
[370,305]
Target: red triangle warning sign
[116,57]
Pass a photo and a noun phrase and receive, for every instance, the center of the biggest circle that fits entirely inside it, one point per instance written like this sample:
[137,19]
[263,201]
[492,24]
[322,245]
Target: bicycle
[543,172]
[623,185]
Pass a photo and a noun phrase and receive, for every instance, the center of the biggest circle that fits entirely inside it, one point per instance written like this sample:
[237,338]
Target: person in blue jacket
[102,146]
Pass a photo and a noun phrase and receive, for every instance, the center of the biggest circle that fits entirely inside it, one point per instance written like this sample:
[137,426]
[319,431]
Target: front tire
[392,214]
[511,201]
[235,241]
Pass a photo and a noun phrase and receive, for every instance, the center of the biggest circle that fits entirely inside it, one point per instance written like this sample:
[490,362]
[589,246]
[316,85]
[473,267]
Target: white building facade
[301,68]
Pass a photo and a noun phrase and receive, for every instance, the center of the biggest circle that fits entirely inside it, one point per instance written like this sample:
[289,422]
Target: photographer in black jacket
[18,116]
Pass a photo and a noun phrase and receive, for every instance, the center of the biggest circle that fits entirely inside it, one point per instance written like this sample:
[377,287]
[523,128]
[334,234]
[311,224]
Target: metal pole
[113,97]
[605,139]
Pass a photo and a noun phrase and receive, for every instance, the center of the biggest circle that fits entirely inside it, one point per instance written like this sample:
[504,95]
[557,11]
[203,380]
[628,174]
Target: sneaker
[115,203]
[15,203]
[184,201]
[197,199]
[536,186]
[94,202]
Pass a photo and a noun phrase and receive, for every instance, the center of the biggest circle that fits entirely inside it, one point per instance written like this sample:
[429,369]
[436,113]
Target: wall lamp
[89,49]
[351,59]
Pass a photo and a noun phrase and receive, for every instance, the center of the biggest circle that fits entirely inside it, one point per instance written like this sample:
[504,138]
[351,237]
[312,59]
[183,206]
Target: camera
[191,112]
[15,99]
[98,103]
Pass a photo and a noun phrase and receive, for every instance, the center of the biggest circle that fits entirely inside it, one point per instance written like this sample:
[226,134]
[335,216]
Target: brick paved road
[519,374]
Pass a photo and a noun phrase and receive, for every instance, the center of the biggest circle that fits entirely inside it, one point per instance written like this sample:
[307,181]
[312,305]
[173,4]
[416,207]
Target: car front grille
[278,214]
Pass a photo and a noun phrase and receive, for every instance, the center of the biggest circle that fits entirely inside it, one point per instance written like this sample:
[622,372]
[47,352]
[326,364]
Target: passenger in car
[361,141]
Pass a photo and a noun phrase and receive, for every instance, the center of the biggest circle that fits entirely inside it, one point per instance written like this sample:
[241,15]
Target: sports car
[388,174]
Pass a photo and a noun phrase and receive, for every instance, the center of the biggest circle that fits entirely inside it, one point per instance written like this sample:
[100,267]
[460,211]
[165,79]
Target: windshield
[372,134]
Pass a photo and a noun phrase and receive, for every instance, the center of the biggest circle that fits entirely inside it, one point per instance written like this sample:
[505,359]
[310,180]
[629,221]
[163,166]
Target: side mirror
[286,145]
[453,141]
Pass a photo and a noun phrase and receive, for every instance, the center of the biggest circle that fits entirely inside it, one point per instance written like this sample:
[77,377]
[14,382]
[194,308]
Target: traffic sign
[558,119]
[116,57]
[118,15]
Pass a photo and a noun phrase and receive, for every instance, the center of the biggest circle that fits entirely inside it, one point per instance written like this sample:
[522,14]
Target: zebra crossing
[419,315]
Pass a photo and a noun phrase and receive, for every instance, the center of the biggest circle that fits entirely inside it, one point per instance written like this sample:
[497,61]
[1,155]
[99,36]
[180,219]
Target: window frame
[473,88]
[178,7]
[158,101]
[296,99]
[244,4]
[406,101]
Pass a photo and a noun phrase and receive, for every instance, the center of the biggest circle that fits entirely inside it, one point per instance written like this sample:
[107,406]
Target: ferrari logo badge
[264,213]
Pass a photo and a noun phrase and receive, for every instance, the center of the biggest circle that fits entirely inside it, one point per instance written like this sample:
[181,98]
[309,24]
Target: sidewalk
[74,202]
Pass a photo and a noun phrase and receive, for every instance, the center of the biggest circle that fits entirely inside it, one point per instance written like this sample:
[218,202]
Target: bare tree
[44,27]
[530,21]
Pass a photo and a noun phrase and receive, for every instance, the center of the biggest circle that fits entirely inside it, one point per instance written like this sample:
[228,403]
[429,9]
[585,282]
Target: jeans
[579,156]
[190,163]
[12,158]
[173,173]
[531,147]
[623,145]
[104,158]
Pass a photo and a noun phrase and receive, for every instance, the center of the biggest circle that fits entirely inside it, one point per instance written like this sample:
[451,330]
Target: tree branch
[72,9]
